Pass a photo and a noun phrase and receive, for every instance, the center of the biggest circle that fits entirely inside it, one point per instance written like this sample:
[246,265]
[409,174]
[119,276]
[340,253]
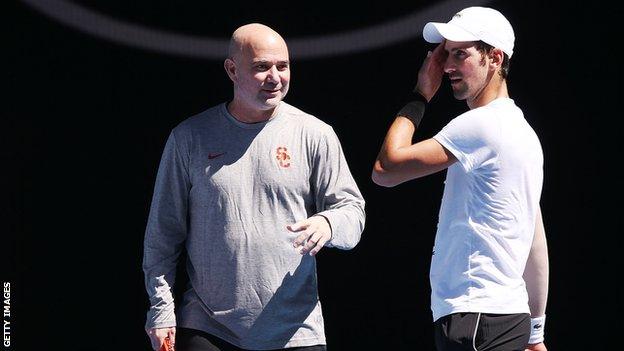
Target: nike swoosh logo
[211,156]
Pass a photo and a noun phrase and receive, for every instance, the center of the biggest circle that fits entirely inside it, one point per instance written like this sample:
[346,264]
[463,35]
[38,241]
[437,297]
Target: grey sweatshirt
[226,191]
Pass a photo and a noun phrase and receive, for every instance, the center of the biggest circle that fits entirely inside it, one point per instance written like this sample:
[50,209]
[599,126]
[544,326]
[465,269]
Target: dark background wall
[84,121]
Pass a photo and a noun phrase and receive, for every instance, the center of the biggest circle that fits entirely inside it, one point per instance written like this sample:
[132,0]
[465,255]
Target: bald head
[259,67]
[253,36]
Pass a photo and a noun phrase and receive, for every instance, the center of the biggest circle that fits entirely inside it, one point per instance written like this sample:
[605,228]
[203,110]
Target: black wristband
[414,110]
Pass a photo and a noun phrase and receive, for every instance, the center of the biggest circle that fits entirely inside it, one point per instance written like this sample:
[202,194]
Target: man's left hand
[315,232]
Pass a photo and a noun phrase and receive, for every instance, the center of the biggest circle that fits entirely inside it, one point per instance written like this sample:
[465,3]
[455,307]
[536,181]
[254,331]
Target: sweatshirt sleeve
[165,233]
[336,194]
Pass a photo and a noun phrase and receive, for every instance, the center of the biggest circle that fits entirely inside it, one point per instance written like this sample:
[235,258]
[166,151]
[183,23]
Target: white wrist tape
[537,329]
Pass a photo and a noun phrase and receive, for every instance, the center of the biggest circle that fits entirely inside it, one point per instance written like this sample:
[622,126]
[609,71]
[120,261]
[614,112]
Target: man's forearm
[536,271]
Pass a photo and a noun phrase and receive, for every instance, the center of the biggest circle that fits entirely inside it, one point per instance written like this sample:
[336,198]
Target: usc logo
[283,158]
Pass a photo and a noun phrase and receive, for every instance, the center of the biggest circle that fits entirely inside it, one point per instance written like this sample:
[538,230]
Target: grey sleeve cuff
[346,225]
[161,313]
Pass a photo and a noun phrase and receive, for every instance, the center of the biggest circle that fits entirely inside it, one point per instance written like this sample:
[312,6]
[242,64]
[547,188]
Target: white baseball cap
[474,24]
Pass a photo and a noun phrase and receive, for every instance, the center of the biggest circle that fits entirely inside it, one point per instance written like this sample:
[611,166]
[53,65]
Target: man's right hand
[158,335]
[431,72]
[536,347]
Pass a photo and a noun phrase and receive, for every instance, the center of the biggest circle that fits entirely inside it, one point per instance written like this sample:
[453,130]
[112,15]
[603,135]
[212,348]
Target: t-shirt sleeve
[471,138]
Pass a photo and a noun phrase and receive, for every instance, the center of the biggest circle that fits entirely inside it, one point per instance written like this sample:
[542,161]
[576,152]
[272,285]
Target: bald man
[253,189]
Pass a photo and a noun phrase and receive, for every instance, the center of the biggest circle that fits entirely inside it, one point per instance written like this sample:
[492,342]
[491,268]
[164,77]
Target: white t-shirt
[488,212]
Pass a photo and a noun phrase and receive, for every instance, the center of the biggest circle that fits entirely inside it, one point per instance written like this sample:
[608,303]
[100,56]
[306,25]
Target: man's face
[262,74]
[467,69]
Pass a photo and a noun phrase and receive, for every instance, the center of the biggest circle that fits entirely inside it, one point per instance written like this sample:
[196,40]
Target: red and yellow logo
[283,158]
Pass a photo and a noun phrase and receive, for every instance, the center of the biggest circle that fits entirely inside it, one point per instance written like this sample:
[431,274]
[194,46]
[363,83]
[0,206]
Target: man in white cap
[489,267]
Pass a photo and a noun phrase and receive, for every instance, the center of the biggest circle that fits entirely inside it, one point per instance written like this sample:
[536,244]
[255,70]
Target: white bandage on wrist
[537,329]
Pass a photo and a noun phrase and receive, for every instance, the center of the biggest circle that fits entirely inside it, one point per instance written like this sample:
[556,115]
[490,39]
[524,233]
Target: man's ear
[496,57]
[230,68]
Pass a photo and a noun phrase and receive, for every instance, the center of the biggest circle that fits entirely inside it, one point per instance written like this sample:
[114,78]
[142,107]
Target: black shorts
[196,340]
[482,332]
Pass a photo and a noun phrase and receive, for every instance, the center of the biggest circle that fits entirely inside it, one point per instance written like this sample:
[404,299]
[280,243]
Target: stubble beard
[461,92]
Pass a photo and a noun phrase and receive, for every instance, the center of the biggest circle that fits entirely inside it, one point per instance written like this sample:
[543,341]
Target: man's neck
[246,114]
[494,90]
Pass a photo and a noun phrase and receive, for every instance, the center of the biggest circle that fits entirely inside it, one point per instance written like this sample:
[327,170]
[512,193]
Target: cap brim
[437,32]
